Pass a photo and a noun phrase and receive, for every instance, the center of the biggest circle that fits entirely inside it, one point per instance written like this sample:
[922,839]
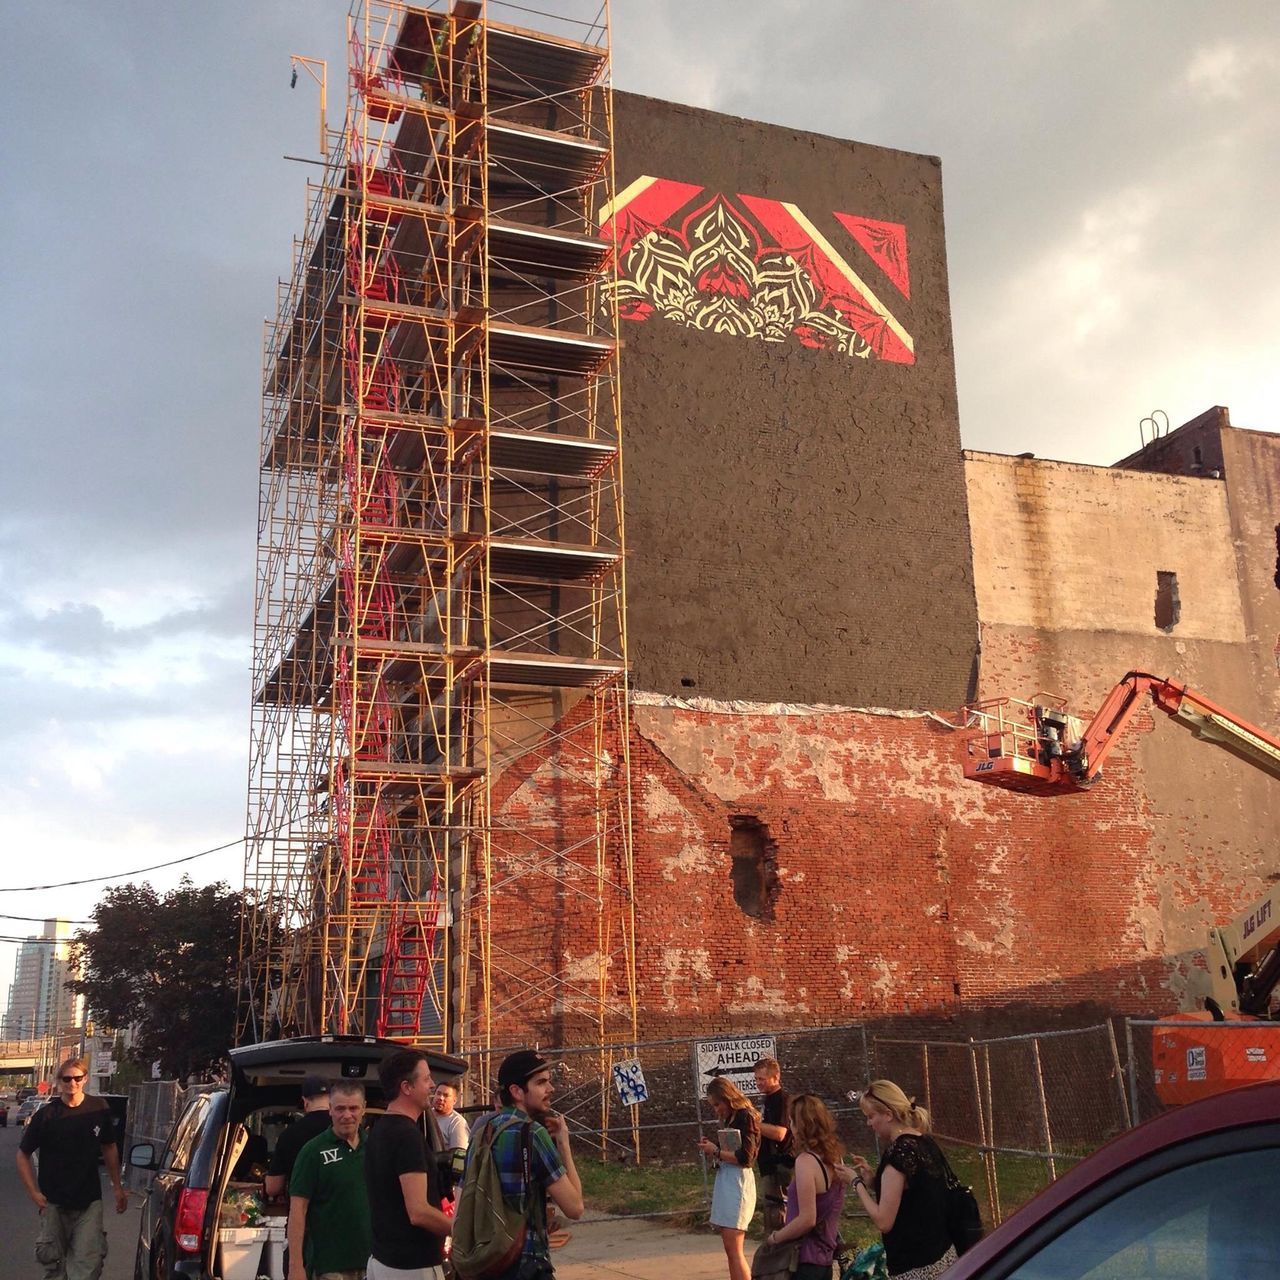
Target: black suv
[204,1214]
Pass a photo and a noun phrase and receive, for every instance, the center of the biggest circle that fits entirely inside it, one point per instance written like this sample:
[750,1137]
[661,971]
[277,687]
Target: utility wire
[41,919]
[120,875]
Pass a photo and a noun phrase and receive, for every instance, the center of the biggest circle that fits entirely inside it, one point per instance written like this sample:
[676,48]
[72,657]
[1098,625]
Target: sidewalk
[642,1248]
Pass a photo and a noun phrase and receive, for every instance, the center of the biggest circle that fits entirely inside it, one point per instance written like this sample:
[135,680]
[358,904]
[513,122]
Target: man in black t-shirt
[69,1132]
[777,1160]
[311,1124]
[400,1173]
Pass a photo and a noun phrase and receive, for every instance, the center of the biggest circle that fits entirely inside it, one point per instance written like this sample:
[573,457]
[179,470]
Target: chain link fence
[1013,1111]
[154,1107]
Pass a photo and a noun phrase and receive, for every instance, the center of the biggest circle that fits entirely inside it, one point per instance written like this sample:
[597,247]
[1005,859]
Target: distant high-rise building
[39,1002]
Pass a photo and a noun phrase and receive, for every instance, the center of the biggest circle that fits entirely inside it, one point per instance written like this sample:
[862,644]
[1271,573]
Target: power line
[120,875]
[41,919]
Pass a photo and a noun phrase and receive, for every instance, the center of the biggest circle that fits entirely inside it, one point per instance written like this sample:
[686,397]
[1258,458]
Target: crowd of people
[376,1203]
[805,1178]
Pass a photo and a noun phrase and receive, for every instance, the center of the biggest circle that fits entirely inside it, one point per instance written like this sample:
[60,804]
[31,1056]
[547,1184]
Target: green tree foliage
[167,964]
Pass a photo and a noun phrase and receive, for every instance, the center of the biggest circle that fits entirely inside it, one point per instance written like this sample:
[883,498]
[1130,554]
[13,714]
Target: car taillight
[188,1227]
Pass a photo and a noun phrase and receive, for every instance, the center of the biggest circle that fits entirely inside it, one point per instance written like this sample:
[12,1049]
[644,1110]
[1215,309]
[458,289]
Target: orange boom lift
[1038,748]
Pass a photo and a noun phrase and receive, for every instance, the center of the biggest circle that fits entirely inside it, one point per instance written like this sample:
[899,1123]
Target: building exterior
[456,811]
[800,863]
[39,1003]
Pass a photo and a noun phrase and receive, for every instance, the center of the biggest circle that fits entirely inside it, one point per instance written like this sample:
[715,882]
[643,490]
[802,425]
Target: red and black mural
[756,268]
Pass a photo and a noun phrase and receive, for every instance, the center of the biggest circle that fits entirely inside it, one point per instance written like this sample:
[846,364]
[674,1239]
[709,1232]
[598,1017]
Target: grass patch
[674,1189]
[679,1194]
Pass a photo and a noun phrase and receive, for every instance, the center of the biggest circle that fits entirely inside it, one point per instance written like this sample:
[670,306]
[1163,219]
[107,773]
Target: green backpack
[489,1233]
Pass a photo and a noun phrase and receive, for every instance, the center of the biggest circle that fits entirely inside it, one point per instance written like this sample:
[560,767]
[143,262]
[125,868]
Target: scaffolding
[440,624]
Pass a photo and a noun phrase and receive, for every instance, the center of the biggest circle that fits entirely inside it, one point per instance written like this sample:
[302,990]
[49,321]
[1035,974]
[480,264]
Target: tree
[168,965]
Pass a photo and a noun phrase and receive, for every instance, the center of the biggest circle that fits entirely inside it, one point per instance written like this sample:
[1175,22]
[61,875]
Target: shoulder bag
[964,1219]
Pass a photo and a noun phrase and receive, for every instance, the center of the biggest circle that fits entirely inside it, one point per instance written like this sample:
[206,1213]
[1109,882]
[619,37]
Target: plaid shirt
[508,1154]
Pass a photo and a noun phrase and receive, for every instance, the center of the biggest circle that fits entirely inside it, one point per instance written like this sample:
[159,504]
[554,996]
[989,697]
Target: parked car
[4,1112]
[1187,1194]
[204,1204]
[27,1109]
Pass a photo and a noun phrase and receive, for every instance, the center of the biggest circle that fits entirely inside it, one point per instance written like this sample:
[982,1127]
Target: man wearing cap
[525,1091]
[313,1122]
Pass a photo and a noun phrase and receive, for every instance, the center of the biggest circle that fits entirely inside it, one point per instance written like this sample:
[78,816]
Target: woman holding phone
[733,1198]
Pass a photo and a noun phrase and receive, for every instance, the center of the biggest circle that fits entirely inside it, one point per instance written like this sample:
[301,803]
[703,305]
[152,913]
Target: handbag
[776,1261]
[868,1263]
[964,1218]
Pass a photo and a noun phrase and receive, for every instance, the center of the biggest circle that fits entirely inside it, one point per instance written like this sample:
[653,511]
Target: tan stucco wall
[1063,547]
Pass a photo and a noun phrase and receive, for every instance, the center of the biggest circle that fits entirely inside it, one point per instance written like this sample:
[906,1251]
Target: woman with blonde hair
[733,1198]
[815,1197]
[907,1196]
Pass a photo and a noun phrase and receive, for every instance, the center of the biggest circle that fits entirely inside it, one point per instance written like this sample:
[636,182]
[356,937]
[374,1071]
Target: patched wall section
[1067,562]
[796,519]
[900,888]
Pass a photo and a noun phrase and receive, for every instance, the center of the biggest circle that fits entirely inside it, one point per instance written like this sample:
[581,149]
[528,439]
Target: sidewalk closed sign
[734,1059]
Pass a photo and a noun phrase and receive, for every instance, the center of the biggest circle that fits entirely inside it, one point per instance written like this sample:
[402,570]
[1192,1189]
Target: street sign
[734,1059]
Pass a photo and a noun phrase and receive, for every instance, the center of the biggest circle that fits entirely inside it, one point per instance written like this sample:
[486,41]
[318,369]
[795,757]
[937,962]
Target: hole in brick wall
[1168,603]
[1277,577]
[687,682]
[754,870]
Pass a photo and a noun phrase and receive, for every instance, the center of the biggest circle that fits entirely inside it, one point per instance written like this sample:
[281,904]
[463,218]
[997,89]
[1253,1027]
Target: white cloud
[1222,71]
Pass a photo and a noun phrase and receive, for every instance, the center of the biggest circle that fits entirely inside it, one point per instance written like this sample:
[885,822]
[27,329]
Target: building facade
[39,1002]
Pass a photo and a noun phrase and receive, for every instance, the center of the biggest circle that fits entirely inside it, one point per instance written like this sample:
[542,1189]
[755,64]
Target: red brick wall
[901,889]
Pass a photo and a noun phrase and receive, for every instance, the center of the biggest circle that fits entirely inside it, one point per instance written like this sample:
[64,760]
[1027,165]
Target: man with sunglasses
[69,1132]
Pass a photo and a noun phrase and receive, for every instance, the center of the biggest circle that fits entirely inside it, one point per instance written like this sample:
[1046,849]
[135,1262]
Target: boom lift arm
[1036,747]
[1244,961]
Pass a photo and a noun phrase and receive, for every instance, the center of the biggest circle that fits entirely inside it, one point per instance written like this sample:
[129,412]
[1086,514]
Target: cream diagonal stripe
[624,198]
[851,275]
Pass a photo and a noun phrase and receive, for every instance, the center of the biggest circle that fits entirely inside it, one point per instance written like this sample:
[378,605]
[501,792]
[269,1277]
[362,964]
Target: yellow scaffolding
[440,602]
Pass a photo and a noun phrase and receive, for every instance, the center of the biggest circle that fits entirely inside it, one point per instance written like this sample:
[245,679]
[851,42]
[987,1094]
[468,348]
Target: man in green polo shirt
[329,1235]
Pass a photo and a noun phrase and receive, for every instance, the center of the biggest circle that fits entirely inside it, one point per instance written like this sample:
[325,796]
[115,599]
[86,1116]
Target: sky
[1112,203]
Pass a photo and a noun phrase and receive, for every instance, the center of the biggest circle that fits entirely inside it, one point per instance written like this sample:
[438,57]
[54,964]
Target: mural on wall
[755,268]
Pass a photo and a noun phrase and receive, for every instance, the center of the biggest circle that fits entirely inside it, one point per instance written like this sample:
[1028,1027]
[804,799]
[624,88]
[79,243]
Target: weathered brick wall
[900,889]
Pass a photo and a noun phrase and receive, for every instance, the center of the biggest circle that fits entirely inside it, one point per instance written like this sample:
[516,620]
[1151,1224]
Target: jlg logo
[1257,918]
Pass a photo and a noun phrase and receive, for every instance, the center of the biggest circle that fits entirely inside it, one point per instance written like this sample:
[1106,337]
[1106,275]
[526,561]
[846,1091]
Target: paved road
[18,1221]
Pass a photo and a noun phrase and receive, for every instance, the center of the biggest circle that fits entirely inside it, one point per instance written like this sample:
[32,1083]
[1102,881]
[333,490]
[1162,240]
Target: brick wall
[900,889]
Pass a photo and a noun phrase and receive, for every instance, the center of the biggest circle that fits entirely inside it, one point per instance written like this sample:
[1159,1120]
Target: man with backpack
[518,1157]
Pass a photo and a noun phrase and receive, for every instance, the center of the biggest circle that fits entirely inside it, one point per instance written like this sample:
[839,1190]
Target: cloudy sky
[1112,208]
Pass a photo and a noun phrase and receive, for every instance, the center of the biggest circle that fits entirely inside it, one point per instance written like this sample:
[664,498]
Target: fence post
[1133,1071]
[1115,1058]
[697,1108]
[991,1128]
[988,1161]
[1044,1110]
[928,1097]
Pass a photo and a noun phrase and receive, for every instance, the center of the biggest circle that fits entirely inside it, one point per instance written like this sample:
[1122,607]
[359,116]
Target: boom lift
[1038,748]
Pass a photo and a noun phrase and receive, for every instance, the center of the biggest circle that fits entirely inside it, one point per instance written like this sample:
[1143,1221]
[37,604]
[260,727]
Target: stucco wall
[1061,547]
[795,517]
